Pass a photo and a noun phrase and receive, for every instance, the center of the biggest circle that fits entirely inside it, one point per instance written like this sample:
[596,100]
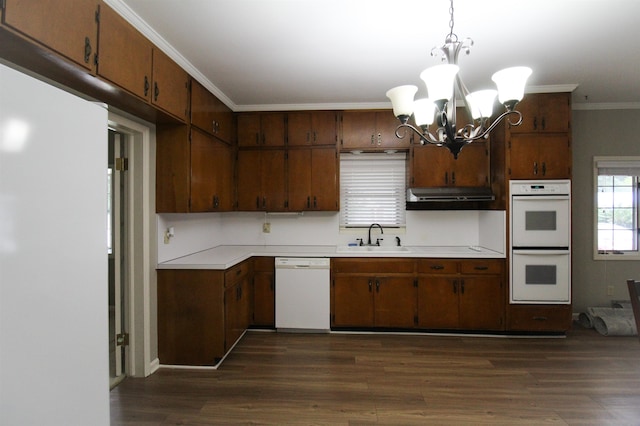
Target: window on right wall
[617,208]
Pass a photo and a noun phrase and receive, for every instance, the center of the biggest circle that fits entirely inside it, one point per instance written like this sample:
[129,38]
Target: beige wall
[595,133]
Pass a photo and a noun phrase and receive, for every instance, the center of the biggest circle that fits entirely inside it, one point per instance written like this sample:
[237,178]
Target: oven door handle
[537,198]
[543,252]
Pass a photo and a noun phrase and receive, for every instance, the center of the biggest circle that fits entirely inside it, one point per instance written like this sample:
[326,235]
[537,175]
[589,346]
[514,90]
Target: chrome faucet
[381,231]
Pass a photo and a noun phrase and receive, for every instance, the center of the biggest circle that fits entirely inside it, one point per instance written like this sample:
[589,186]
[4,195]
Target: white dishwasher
[302,294]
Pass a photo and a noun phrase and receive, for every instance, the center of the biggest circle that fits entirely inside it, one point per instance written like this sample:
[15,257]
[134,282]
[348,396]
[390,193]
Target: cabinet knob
[156,91]
[146,86]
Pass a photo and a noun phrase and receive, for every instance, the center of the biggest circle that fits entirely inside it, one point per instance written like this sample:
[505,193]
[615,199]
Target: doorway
[117,249]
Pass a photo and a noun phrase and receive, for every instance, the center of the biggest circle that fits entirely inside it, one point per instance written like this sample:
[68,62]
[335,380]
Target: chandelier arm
[497,121]
[425,136]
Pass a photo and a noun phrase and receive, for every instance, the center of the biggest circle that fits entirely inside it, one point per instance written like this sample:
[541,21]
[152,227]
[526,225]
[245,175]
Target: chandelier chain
[451,20]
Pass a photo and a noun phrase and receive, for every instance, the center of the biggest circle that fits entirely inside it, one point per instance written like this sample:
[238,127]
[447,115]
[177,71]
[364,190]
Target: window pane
[617,213]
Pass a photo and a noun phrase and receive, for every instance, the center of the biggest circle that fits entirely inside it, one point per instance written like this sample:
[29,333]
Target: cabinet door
[472,166]
[555,112]
[204,184]
[385,137]
[263,299]
[324,179]
[438,302]
[430,166]
[481,303]
[249,129]
[249,182]
[274,196]
[68,28]
[528,107]
[121,43]
[170,86]
[209,114]
[299,128]
[358,129]
[272,128]
[173,168]
[554,156]
[324,126]
[300,171]
[353,301]
[232,313]
[211,174]
[395,302]
[523,156]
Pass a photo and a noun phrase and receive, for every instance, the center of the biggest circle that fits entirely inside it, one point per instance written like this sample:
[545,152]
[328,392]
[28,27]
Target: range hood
[416,196]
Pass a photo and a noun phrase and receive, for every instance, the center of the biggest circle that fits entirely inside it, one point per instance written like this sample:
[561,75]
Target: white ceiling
[342,54]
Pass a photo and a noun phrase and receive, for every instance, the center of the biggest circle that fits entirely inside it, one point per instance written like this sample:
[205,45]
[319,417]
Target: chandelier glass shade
[444,86]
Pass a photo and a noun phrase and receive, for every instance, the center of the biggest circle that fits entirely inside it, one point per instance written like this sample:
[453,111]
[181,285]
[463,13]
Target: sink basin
[371,249]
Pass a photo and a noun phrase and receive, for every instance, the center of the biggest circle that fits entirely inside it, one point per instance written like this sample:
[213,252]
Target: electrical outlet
[266,227]
[609,290]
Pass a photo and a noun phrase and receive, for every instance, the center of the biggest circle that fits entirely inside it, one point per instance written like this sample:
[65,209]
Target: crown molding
[130,16]
[604,106]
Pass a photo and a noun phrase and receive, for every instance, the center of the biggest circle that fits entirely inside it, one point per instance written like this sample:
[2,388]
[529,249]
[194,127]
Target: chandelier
[442,81]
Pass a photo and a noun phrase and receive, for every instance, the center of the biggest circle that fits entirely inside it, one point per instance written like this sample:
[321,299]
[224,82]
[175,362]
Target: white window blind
[372,189]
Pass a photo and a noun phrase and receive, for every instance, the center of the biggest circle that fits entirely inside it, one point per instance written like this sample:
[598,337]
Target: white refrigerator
[53,262]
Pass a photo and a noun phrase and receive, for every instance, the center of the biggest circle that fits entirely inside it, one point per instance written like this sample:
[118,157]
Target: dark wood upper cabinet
[209,114]
[544,112]
[371,131]
[68,27]
[261,129]
[125,56]
[170,91]
[312,128]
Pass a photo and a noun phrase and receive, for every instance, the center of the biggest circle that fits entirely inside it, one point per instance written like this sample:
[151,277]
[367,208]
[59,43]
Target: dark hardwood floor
[352,379]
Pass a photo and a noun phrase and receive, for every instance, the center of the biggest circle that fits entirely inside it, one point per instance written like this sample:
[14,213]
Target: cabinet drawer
[232,275]
[437,266]
[374,266]
[539,318]
[481,267]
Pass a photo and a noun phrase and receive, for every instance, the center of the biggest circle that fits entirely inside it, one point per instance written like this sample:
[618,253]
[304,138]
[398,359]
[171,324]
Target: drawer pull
[437,267]
[540,318]
[481,268]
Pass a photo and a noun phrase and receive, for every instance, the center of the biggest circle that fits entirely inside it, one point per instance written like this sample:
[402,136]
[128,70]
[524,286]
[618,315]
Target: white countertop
[224,257]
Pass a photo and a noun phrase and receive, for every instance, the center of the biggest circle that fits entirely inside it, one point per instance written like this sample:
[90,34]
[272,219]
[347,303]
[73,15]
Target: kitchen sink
[372,249]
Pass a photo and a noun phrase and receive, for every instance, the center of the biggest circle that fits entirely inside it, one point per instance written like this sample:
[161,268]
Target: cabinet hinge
[98,14]
[122,164]
[122,339]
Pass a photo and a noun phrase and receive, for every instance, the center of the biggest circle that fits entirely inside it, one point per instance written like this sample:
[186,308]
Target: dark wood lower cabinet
[202,313]
[264,285]
[461,294]
[379,294]
[434,294]
[190,317]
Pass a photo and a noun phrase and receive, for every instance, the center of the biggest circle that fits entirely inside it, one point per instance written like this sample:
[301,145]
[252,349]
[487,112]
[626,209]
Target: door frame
[142,240]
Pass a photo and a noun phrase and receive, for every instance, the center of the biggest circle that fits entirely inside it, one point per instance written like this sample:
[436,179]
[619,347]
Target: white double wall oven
[540,236]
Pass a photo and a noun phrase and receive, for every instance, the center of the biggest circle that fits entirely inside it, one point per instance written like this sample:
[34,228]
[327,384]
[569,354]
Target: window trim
[631,163]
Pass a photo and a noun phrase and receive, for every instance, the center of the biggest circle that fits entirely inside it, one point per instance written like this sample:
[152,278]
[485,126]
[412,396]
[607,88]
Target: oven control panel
[541,187]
